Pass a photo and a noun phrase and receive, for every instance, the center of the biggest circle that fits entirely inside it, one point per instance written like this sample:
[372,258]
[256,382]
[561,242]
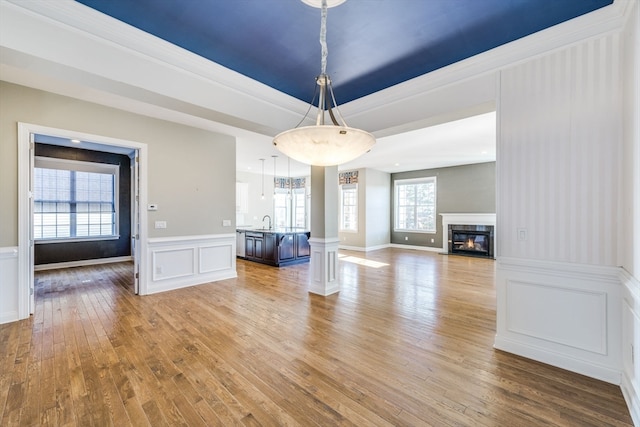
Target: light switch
[152,207]
[226,223]
[161,224]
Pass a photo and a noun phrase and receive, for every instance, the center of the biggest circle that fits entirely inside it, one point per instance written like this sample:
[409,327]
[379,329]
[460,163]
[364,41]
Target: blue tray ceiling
[373,44]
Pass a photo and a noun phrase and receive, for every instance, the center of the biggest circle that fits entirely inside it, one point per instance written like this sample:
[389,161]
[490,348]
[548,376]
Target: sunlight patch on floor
[361,261]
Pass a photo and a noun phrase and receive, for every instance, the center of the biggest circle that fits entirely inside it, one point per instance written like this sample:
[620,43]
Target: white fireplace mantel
[465,219]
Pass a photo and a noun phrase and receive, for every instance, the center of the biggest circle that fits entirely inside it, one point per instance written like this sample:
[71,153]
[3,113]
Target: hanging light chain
[323,37]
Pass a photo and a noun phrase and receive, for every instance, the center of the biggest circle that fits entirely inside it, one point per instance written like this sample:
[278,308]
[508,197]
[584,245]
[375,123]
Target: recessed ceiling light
[396,164]
[75,141]
[484,152]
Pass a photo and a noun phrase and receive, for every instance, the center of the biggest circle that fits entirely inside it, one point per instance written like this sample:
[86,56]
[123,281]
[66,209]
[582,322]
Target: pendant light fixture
[289,175]
[274,175]
[262,160]
[324,144]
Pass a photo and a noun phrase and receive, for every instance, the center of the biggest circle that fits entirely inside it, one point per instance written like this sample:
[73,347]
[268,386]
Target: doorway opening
[82,239]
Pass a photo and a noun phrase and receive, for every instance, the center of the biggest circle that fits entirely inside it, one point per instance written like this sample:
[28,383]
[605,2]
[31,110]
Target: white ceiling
[465,141]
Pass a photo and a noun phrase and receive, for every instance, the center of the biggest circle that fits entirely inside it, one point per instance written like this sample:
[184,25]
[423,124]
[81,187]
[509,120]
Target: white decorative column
[323,268]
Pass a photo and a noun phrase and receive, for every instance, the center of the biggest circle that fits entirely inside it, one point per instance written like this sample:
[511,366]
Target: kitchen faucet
[266,216]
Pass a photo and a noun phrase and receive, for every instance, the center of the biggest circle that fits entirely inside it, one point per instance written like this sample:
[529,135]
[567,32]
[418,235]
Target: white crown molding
[605,20]
[85,21]
[214,93]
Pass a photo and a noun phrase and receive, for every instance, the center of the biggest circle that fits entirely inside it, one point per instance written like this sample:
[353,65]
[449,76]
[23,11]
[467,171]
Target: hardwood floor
[407,341]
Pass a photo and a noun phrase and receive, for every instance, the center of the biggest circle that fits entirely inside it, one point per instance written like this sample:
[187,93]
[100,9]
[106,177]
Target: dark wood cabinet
[286,247]
[277,248]
[269,250]
[302,245]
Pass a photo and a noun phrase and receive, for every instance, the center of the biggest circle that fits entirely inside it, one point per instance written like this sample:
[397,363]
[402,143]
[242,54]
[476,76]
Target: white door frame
[25,259]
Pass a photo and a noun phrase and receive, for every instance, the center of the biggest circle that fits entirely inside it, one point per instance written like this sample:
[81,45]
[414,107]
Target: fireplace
[475,240]
[474,234]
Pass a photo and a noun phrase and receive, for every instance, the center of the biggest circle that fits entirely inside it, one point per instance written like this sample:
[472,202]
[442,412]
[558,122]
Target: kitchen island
[278,247]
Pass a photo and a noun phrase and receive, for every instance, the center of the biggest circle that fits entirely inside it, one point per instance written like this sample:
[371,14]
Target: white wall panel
[559,161]
[583,326]
[631,344]
[629,230]
[8,279]
[559,152]
[216,258]
[564,314]
[178,262]
[173,263]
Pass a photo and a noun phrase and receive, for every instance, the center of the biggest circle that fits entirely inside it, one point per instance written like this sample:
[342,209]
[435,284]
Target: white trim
[414,247]
[82,263]
[24,221]
[560,360]
[153,241]
[630,384]
[9,252]
[467,219]
[183,261]
[8,278]
[365,249]
[323,266]
[414,181]
[564,314]
[562,269]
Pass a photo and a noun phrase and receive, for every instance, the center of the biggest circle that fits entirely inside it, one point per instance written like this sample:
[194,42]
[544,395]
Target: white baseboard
[179,262]
[9,284]
[417,248]
[559,360]
[81,263]
[563,314]
[632,398]
[365,249]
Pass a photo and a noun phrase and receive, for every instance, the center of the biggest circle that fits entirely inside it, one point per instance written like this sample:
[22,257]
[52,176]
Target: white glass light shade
[324,145]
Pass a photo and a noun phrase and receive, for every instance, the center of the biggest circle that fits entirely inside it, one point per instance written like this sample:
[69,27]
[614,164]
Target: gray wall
[49,253]
[373,212]
[191,172]
[460,189]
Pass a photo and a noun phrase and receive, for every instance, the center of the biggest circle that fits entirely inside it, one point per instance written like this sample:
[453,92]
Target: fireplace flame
[471,244]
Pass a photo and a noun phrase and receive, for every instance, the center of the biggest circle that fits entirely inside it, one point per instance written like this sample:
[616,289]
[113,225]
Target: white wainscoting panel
[178,262]
[216,258]
[585,329]
[8,284]
[631,344]
[563,314]
[173,263]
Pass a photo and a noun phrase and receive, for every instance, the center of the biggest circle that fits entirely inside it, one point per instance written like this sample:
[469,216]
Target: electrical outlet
[161,224]
[522,234]
[406,237]
[226,223]
[433,240]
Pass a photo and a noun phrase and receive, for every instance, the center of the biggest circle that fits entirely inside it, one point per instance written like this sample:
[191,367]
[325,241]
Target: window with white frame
[415,205]
[74,200]
[349,207]
[290,207]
